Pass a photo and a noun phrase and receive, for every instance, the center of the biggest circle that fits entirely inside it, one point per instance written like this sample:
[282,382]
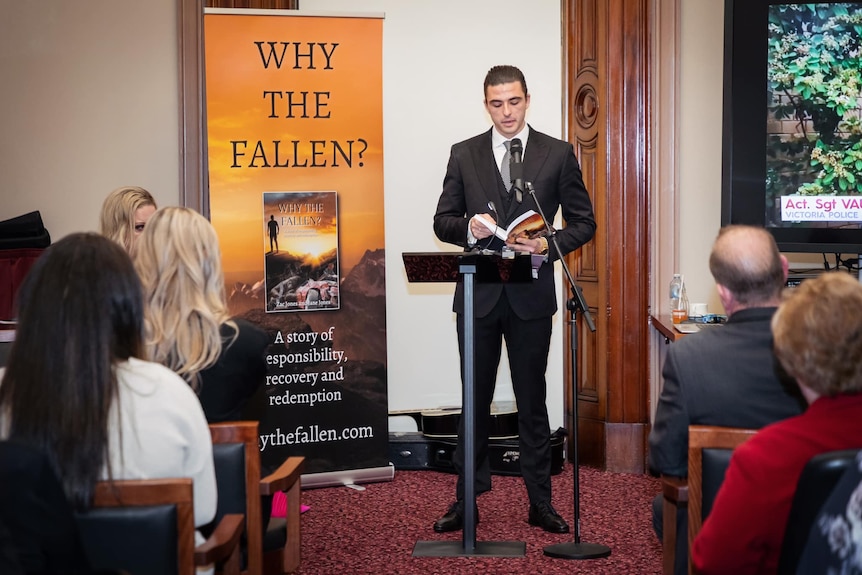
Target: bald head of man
[748,269]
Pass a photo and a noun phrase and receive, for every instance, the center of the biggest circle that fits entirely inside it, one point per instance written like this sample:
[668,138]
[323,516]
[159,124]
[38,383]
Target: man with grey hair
[725,375]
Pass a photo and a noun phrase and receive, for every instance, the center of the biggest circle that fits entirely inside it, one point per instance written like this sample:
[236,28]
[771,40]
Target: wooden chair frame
[675,496]
[222,547]
[286,478]
[688,493]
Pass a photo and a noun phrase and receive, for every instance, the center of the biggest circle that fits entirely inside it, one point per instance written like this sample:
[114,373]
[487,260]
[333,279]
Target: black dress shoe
[545,516]
[454,518]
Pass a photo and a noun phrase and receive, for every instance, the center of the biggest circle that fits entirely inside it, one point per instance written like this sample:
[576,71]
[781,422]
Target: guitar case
[415,451]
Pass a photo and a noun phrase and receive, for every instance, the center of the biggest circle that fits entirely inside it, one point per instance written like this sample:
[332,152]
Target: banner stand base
[348,477]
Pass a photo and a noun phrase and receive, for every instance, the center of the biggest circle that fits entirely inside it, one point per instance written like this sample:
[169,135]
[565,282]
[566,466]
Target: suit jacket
[725,376]
[473,179]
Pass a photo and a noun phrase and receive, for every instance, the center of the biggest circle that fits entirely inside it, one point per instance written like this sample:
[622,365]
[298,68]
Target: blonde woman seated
[818,340]
[77,387]
[188,325]
[125,213]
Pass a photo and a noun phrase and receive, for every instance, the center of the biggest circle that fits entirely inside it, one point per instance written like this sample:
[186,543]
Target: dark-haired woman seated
[77,388]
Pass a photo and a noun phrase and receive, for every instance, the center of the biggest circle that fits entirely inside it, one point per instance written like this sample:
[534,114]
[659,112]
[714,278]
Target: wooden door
[606,74]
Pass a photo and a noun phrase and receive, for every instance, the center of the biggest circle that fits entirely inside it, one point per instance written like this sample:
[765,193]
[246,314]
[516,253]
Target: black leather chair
[272,545]
[146,527]
[816,484]
[229,459]
[709,452]
[140,527]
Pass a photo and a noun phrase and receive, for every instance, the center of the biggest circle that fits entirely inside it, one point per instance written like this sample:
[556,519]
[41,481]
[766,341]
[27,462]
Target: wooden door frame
[607,86]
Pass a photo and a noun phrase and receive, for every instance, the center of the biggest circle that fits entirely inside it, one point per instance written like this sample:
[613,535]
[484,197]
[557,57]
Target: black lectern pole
[468,267]
[468,270]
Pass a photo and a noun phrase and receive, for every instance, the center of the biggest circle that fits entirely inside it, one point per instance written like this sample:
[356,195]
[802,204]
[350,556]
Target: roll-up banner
[295,157]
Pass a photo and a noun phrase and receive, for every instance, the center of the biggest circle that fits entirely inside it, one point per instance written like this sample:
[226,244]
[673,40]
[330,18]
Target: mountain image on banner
[301,251]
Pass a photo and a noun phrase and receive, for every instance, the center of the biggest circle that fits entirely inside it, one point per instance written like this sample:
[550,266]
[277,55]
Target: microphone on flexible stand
[575,549]
[496,215]
[516,148]
[493,208]
[484,249]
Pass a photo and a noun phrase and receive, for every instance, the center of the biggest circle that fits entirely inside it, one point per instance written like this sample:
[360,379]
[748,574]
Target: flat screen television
[792,122]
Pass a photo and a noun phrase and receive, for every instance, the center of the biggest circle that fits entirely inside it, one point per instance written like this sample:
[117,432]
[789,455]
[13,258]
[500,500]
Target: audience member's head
[179,262]
[81,312]
[748,269]
[818,335]
[125,213]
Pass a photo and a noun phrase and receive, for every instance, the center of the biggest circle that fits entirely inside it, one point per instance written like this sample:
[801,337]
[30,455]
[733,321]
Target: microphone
[516,169]
[493,208]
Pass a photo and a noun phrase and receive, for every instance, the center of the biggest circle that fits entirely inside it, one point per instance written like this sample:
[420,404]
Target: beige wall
[88,103]
[701,53]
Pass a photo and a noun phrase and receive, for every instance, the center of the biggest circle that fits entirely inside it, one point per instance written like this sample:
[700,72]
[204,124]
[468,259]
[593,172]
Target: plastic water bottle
[675,291]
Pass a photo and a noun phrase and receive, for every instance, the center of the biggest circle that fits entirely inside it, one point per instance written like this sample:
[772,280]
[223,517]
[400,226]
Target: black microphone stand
[575,549]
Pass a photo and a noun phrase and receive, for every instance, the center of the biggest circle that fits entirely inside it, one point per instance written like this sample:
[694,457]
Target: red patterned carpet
[349,532]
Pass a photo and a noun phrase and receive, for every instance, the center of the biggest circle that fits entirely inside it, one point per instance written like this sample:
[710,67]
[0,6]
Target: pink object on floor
[279,505]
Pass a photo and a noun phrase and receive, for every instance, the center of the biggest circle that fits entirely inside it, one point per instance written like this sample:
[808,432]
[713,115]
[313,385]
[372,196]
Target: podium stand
[468,267]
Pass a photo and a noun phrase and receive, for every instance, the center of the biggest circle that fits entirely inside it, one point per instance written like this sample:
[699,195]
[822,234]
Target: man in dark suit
[519,312]
[724,375]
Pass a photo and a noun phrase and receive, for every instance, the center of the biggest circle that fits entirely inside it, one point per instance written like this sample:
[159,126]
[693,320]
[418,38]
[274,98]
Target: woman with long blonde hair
[188,325]
[124,215]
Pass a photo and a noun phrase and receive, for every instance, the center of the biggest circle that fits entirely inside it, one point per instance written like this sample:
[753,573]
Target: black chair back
[715,463]
[140,540]
[142,526]
[230,468]
[229,462]
[818,479]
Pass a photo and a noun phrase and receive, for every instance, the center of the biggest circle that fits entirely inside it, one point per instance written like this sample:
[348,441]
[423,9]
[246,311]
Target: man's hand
[524,244]
[479,230]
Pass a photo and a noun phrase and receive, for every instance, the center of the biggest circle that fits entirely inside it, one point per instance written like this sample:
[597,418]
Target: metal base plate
[456,549]
[577,551]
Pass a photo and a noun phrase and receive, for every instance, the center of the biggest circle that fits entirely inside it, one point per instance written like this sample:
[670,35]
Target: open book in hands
[527,225]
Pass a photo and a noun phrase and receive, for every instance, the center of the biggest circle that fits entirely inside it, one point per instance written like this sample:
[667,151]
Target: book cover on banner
[301,251]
